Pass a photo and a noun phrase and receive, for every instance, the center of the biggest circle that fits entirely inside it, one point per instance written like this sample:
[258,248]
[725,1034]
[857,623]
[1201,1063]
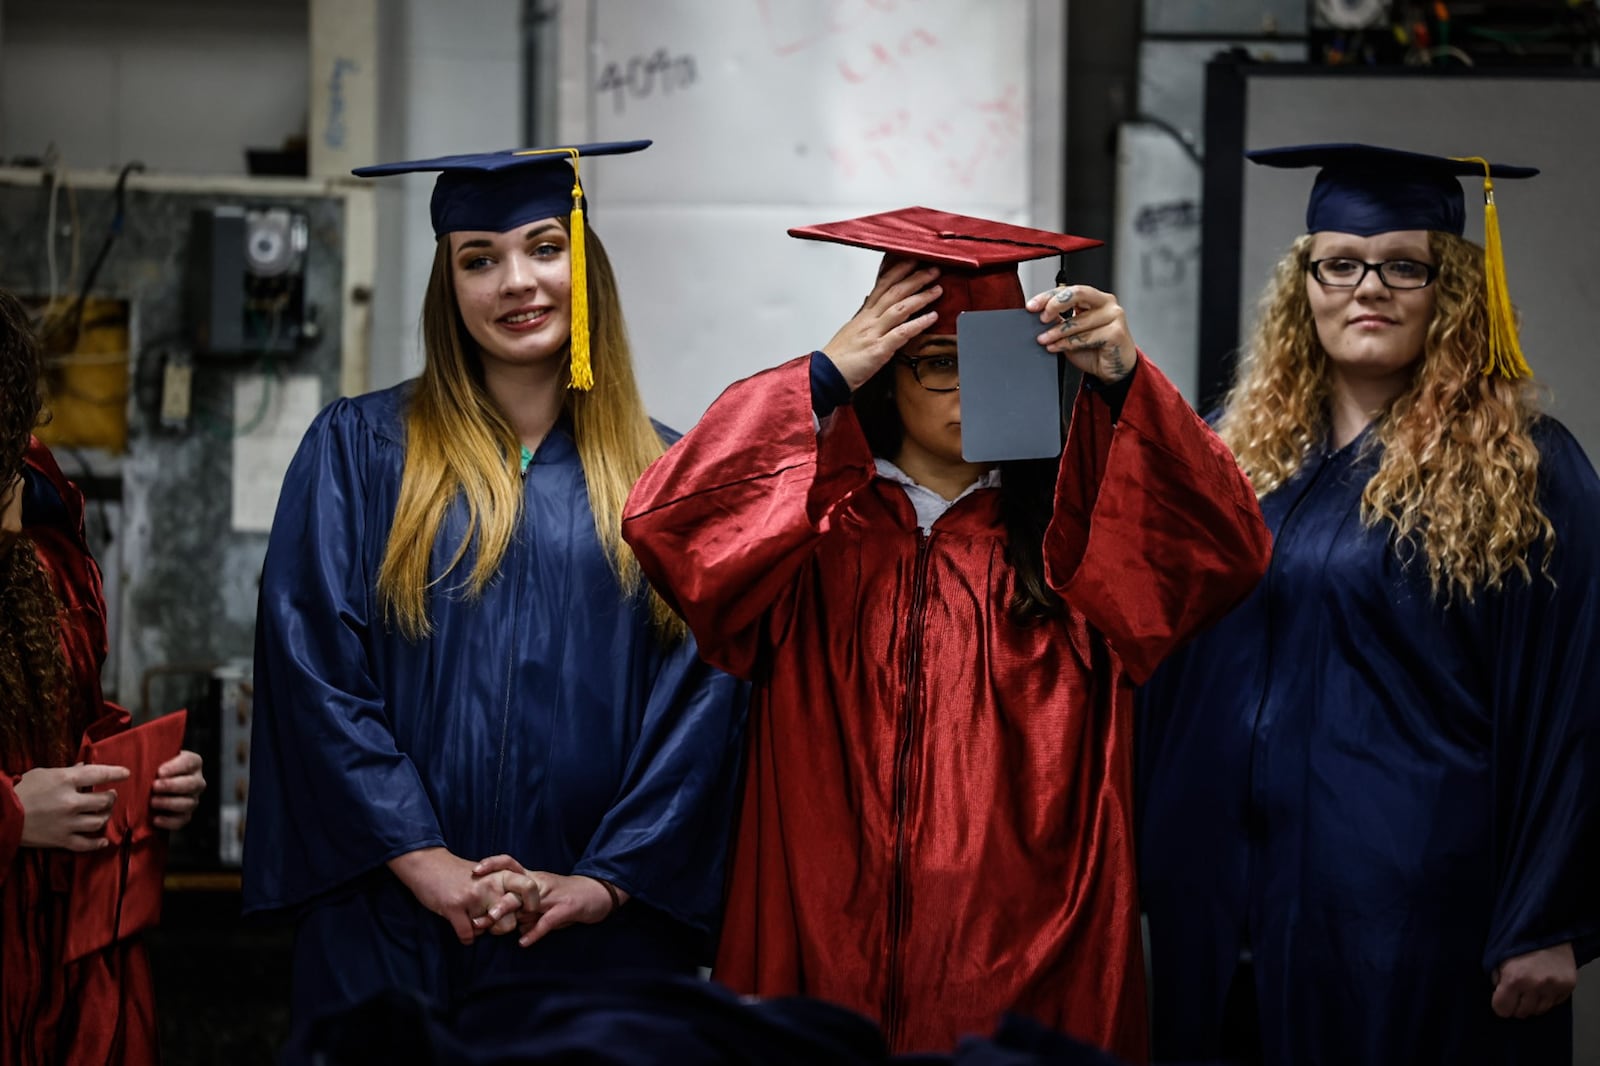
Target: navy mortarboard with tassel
[499,191]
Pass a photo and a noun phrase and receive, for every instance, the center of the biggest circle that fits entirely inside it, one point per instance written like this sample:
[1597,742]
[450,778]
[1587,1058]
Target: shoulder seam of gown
[765,475]
[351,411]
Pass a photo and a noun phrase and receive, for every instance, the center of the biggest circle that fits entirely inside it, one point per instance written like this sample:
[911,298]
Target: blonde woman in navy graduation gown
[1369,796]
[457,658]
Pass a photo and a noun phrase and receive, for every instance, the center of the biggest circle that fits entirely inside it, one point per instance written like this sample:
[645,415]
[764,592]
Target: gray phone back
[1011,388]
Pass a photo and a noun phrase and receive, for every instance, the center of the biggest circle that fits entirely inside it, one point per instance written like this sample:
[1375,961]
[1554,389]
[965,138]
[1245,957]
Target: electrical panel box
[247,280]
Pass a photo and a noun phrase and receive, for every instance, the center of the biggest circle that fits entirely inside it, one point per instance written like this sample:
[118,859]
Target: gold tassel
[1505,352]
[582,370]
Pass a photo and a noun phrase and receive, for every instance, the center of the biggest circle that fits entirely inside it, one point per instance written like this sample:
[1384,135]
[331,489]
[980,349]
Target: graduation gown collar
[928,506]
[559,445]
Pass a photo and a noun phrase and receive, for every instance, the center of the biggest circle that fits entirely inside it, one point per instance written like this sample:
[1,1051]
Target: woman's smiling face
[514,291]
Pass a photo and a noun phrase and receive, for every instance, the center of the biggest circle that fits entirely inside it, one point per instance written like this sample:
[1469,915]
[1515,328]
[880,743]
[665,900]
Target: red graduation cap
[116,891]
[979,256]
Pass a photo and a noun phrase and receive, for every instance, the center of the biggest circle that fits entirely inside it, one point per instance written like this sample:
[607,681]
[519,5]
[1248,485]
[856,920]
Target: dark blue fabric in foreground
[1381,796]
[636,1020]
[543,720]
[41,501]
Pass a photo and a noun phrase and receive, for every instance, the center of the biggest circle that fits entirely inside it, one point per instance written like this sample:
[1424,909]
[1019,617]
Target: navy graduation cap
[499,191]
[1365,189]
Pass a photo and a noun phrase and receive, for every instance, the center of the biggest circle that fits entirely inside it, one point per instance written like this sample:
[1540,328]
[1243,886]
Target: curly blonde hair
[1458,478]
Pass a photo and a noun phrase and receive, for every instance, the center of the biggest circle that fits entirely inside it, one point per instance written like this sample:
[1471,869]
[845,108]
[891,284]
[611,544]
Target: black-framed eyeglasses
[1342,272]
[936,373]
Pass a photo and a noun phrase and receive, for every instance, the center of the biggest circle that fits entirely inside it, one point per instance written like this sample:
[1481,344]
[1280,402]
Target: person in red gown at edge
[936,825]
[100,1008]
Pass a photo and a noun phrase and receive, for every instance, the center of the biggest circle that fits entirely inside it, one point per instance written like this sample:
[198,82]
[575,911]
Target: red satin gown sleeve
[1176,541]
[729,517]
[937,824]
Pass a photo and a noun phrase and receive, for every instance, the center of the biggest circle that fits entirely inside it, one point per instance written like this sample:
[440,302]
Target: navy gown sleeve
[332,798]
[1546,639]
[664,838]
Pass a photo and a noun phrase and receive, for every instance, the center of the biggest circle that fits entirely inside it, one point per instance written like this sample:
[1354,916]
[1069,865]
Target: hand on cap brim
[894,312]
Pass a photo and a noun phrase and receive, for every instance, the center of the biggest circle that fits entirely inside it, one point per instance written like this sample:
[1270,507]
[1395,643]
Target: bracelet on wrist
[611,890]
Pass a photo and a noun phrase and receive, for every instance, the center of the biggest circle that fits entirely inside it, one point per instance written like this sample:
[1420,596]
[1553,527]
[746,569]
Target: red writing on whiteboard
[879,58]
[960,142]
[793,27]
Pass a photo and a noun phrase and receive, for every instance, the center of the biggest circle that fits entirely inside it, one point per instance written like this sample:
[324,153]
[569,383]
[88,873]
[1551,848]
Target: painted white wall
[450,79]
[181,85]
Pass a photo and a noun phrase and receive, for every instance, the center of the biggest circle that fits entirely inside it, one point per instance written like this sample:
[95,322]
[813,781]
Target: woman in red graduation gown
[936,824]
[99,1008]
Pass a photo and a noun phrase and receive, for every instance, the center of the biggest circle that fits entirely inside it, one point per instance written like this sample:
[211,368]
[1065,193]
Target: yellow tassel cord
[1505,352]
[582,370]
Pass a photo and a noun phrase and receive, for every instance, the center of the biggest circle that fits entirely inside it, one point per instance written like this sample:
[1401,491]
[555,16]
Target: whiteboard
[770,114]
[771,102]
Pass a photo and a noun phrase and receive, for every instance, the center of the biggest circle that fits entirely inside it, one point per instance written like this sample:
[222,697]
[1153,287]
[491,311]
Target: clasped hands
[499,895]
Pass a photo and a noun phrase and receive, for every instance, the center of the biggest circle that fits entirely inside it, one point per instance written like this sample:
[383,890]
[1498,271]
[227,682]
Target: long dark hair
[1027,498]
[33,673]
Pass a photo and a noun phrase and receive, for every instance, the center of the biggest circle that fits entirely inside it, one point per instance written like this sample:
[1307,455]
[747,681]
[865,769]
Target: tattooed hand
[1089,328]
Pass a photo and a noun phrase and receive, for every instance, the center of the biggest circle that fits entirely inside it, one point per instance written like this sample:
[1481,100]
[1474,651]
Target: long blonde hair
[458,442]
[1459,473]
